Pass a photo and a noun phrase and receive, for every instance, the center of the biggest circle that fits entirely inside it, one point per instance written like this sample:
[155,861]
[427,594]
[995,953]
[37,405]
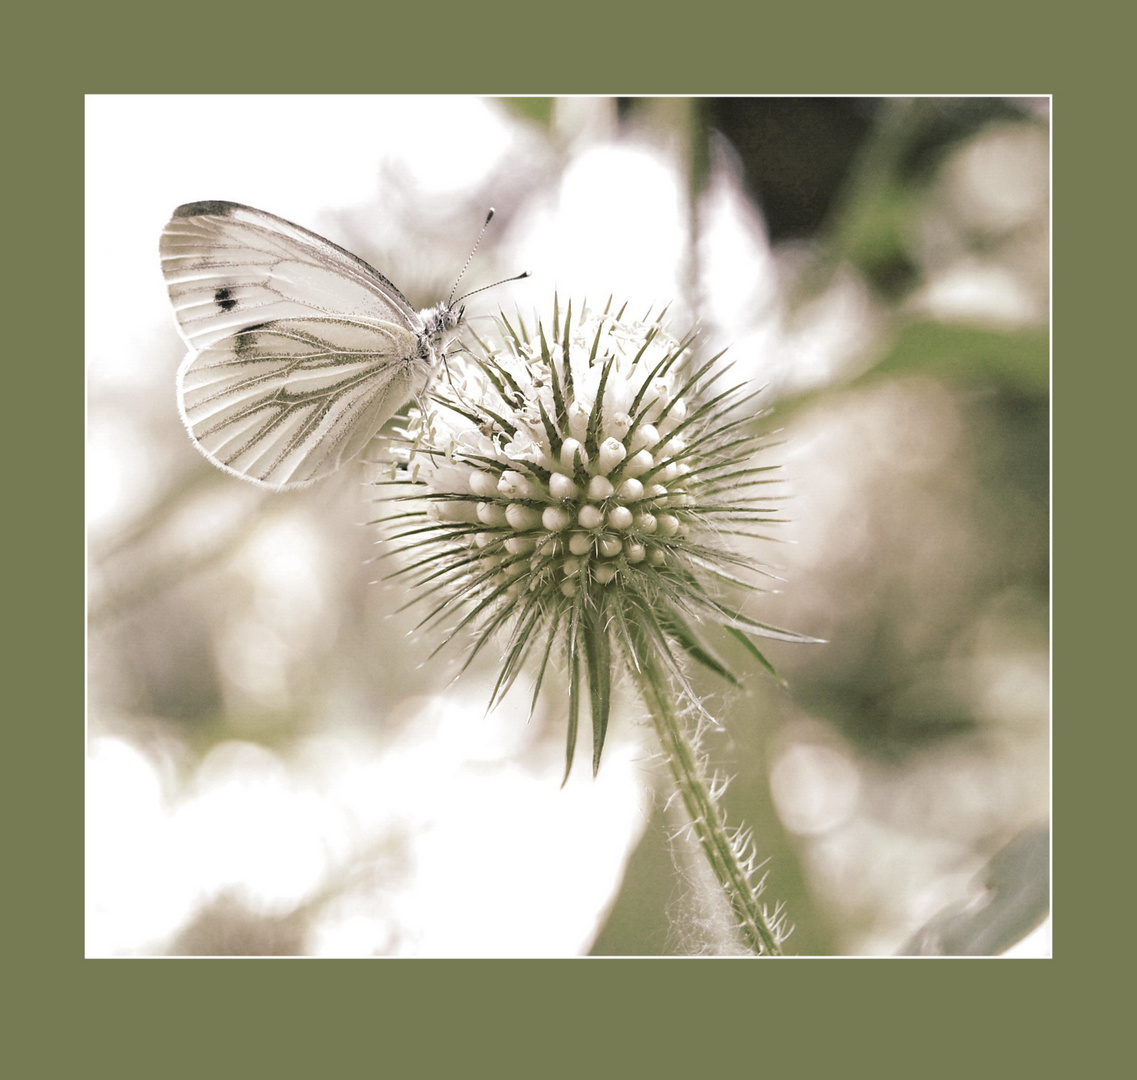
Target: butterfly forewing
[299,351]
[229,266]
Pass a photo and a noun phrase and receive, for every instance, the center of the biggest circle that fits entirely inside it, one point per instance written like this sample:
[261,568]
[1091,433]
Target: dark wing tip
[206,206]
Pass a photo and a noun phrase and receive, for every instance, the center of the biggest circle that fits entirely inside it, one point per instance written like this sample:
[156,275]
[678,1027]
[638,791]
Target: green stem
[724,856]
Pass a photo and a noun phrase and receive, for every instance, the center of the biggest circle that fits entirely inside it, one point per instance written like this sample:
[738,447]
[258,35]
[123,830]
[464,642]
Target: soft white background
[431,797]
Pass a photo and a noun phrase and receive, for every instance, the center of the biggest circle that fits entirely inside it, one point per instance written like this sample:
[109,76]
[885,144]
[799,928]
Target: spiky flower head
[576,490]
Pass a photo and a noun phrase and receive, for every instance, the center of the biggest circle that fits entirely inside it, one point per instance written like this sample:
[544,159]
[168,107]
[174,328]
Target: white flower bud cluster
[576,471]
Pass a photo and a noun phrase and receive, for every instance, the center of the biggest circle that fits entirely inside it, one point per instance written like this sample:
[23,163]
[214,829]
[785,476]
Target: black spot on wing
[246,341]
[224,298]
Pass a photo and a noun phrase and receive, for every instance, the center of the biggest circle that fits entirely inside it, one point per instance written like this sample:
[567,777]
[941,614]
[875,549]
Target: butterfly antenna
[451,301]
[474,292]
[466,264]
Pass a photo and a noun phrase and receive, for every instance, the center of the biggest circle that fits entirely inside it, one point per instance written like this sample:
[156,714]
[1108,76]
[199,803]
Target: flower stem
[722,849]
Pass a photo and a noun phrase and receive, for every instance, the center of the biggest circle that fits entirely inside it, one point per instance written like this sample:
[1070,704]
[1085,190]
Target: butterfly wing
[299,351]
[228,267]
[290,401]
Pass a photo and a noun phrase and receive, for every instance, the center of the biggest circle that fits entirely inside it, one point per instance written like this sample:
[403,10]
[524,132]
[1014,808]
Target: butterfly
[299,351]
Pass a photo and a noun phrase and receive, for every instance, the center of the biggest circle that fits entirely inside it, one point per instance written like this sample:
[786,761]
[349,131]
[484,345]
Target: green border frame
[530,1018]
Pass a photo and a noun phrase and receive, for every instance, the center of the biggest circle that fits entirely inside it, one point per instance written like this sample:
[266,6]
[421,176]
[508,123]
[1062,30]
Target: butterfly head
[442,318]
[440,322]
[439,326]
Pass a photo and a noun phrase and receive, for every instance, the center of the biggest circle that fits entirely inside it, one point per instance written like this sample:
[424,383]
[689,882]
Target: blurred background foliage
[277,766]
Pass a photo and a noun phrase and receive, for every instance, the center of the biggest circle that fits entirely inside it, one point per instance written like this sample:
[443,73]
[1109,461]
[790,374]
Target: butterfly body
[299,351]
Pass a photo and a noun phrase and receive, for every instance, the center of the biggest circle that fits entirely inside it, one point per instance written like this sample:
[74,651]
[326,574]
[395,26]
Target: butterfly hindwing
[292,400]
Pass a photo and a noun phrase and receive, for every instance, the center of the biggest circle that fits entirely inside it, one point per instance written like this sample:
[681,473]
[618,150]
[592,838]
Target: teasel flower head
[575,491]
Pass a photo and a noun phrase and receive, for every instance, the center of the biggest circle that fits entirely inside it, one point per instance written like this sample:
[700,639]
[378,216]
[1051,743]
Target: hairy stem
[724,854]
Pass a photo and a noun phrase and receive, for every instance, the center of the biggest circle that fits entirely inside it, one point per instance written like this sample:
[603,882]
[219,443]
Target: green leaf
[738,621]
[691,645]
[592,436]
[551,432]
[598,652]
[754,651]
[574,694]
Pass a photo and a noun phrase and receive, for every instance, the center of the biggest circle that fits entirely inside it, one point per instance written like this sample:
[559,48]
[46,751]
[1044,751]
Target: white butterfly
[299,352]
